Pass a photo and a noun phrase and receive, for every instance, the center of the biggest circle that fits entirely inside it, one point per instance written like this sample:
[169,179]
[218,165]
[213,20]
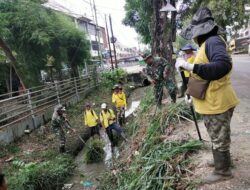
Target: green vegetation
[155,162]
[49,174]
[39,36]
[6,149]
[147,101]
[139,14]
[94,151]
[225,12]
[110,78]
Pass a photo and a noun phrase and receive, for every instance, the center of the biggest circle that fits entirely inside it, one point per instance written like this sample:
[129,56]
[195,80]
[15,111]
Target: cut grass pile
[94,151]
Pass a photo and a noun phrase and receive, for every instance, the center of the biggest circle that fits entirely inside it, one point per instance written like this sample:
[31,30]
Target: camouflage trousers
[218,128]
[158,91]
[120,112]
[61,135]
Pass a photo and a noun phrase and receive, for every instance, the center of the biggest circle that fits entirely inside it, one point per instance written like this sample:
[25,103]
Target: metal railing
[35,101]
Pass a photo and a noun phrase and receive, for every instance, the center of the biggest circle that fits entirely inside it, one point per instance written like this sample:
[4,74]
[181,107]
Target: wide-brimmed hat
[59,107]
[188,47]
[202,23]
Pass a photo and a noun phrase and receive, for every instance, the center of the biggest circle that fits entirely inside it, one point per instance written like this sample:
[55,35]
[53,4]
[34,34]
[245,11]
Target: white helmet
[104,106]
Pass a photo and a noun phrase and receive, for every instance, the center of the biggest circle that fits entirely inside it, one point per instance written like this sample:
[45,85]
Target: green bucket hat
[202,23]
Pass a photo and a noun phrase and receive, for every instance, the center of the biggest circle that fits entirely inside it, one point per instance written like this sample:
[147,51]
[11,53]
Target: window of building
[91,29]
[95,45]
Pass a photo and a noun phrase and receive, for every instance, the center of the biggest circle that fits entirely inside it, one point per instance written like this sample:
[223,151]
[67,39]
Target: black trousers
[94,130]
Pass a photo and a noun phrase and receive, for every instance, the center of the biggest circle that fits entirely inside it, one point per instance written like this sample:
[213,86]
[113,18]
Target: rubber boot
[210,163]
[222,169]
[62,149]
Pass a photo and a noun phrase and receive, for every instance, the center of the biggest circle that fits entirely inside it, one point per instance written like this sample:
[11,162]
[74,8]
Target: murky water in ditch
[89,173]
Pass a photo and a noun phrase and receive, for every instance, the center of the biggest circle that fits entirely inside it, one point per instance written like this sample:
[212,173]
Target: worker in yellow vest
[108,121]
[189,56]
[120,102]
[91,120]
[211,88]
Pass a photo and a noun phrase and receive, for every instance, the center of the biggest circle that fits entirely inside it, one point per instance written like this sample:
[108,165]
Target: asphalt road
[241,76]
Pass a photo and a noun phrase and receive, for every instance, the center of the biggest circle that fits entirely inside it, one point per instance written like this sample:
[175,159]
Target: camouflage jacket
[160,70]
[58,121]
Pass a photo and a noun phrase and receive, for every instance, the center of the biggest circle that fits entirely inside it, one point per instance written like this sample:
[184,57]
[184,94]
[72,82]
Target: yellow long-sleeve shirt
[90,118]
[107,118]
[119,99]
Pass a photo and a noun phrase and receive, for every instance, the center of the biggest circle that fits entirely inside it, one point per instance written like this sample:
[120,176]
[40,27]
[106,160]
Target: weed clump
[94,151]
[47,175]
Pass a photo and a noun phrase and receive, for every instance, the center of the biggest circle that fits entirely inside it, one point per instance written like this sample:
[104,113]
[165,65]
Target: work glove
[189,100]
[181,64]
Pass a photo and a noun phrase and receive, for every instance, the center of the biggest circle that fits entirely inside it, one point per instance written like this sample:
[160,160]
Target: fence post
[31,109]
[57,93]
[77,94]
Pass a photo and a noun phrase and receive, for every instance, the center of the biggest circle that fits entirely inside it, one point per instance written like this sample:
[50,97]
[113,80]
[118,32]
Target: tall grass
[159,163]
[47,175]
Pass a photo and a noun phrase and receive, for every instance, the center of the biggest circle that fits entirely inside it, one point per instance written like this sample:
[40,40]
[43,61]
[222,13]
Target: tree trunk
[156,29]
[163,32]
[12,59]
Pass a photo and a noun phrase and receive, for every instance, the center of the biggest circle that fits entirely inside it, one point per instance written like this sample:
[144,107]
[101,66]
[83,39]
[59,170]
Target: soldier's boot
[222,169]
[210,163]
[62,149]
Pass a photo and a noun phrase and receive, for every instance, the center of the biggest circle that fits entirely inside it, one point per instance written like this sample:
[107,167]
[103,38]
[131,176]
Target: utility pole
[113,40]
[98,34]
[110,52]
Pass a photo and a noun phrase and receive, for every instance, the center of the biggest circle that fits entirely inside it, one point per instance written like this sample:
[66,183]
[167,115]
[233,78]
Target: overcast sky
[124,34]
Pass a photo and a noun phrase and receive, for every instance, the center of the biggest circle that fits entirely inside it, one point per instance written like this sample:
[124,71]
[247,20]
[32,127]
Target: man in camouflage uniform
[58,123]
[160,73]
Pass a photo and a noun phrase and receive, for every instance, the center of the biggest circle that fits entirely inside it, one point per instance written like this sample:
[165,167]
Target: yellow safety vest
[220,96]
[107,118]
[90,118]
[119,99]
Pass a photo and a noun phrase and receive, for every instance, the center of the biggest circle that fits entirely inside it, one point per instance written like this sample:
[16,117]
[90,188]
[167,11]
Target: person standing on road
[58,123]
[120,102]
[189,56]
[160,73]
[91,120]
[108,121]
[210,86]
